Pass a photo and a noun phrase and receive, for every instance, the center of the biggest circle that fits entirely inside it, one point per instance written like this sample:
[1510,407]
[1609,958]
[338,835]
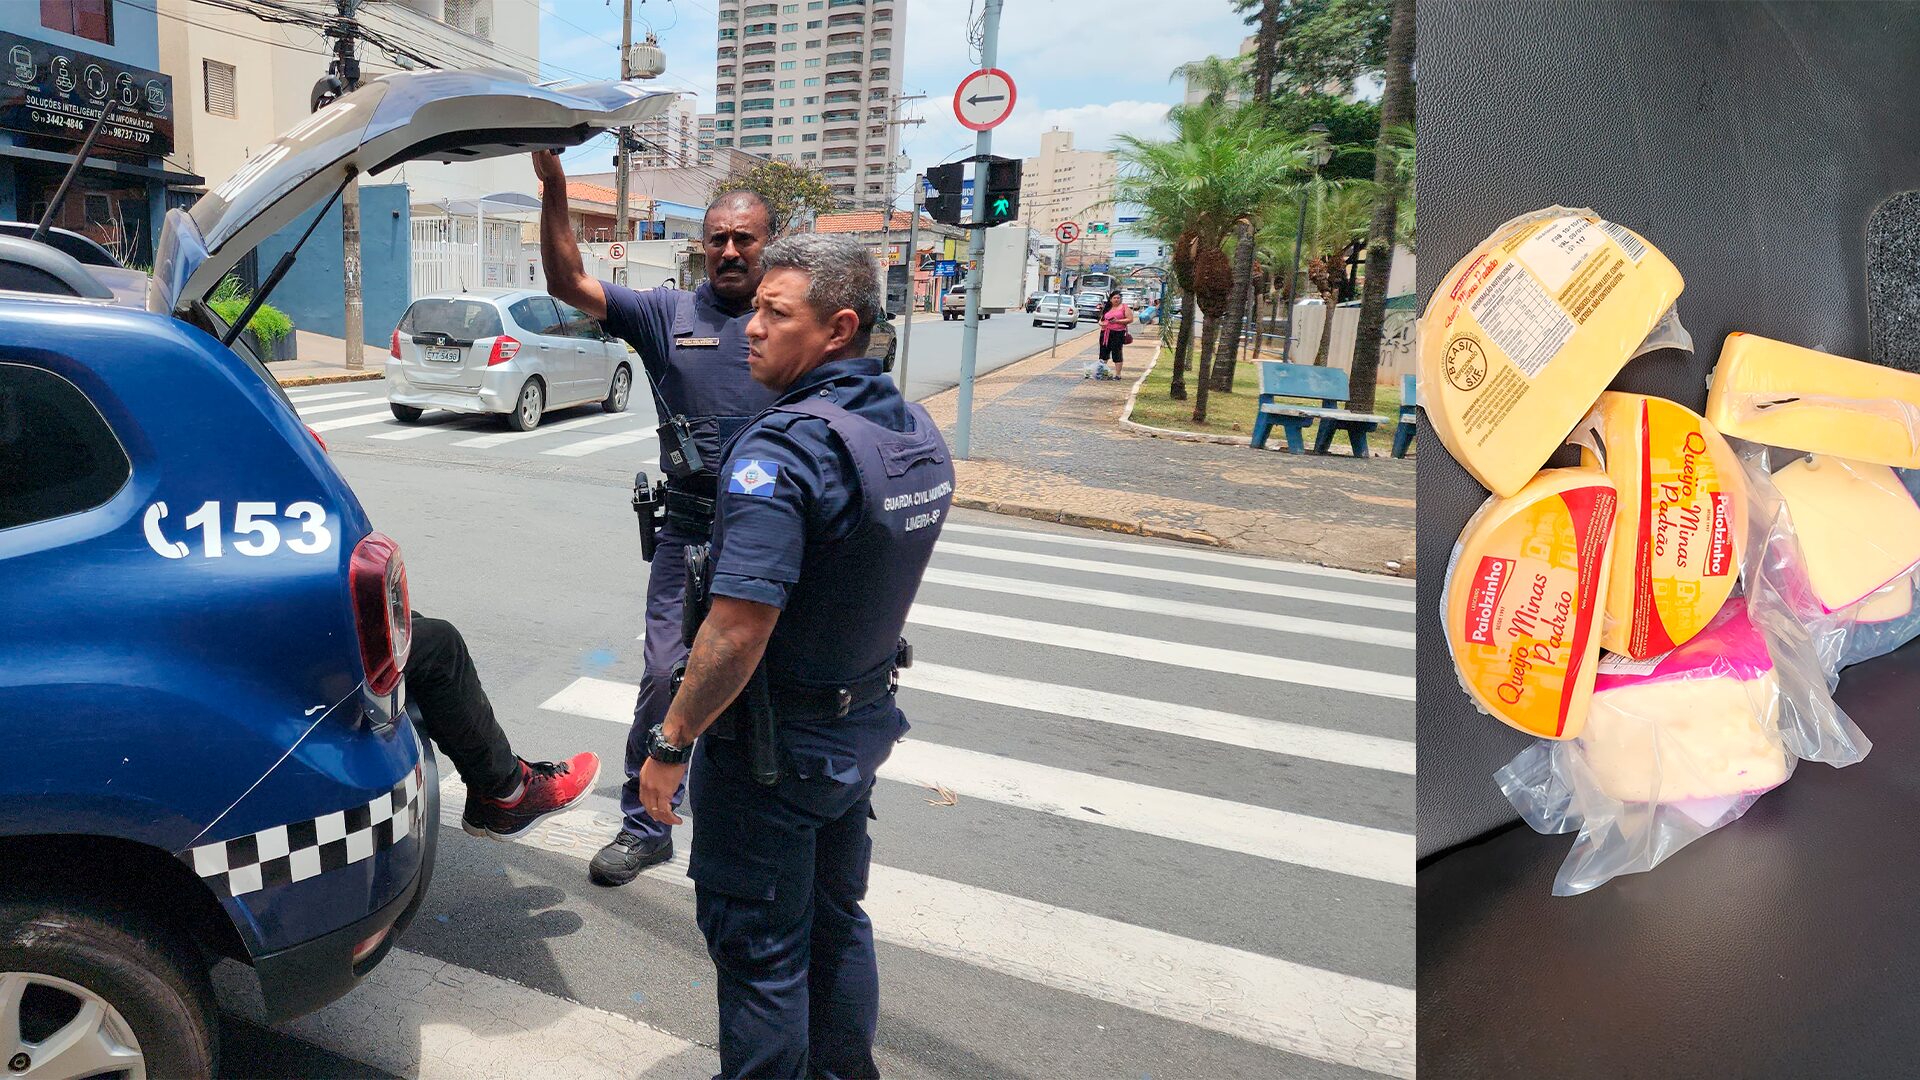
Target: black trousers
[454,710]
[1110,342]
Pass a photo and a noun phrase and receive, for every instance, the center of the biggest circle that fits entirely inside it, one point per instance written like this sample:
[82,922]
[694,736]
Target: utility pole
[886,211]
[349,74]
[624,135]
[976,245]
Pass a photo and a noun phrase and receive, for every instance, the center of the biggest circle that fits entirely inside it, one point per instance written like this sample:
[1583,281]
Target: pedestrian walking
[833,500]
[1114,319]
[693,345]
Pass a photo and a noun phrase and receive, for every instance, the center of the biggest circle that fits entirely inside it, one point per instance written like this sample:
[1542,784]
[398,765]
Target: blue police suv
[203,638]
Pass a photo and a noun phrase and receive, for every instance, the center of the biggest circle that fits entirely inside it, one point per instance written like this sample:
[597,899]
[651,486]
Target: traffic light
[943,204]
[1003,190]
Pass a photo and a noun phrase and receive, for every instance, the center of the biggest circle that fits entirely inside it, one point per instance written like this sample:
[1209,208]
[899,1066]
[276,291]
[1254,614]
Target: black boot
[629,853]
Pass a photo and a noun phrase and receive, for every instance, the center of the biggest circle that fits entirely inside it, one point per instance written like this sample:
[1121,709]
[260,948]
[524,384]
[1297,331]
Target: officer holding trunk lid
[830,504]
[693,346]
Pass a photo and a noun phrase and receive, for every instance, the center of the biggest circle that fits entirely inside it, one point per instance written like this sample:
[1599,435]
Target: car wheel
[621,390]
[528,406]
[406,414]
[1036,322]
[90,990]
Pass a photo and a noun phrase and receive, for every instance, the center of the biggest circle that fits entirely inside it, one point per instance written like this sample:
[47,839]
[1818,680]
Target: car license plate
[449,355]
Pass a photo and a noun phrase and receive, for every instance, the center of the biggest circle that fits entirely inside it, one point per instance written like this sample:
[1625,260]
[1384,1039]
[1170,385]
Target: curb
[1127,422]
[1085,521]
[322,380]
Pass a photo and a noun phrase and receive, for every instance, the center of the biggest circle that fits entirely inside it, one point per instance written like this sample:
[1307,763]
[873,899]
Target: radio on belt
[679,451]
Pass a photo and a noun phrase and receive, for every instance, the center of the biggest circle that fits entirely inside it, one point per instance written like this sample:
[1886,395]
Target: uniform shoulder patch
[752,476]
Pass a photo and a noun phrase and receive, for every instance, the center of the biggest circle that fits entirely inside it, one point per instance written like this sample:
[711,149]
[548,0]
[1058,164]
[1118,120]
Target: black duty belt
[689,509]
[810,703]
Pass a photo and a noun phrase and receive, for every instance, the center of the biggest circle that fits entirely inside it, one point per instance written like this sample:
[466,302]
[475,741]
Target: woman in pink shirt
[1114,319]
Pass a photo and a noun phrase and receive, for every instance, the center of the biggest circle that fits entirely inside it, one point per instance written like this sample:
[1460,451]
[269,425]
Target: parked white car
[1056,309]
[515,352]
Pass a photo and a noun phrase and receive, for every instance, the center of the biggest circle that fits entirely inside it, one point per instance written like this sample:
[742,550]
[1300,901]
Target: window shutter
[219,85]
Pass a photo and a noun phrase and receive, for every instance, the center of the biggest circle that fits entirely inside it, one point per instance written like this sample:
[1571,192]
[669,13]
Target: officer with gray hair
[830,503]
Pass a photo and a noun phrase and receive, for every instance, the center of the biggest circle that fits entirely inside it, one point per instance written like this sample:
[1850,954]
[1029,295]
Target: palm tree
[1220,77]
[1396,112]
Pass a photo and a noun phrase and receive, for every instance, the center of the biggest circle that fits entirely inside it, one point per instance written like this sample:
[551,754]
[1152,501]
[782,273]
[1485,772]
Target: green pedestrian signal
[1000,207]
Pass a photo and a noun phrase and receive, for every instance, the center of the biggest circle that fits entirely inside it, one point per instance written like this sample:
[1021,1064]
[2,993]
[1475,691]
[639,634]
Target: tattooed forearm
[729,646]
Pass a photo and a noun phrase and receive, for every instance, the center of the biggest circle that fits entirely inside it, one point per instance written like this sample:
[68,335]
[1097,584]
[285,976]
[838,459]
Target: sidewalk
[1048,444]
[324,360]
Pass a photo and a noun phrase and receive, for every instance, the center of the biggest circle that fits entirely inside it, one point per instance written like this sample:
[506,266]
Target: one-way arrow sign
[984,99]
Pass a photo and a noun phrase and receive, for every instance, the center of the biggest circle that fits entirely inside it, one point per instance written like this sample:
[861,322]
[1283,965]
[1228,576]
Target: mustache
[732,264]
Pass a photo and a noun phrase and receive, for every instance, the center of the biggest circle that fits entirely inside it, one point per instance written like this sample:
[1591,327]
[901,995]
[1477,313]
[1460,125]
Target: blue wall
[312,293]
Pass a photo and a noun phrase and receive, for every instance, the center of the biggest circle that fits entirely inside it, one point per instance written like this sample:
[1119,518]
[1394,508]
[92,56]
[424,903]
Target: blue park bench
[1329,385]
[1403,434]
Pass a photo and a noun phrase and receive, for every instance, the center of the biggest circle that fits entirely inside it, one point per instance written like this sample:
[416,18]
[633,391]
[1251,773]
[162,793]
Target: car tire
[406,414]
[1036,322]
[154,990]
[620,392]
[528,406]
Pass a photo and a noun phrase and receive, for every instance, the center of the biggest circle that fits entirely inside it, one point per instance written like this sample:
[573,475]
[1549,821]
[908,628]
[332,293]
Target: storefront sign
[58,92]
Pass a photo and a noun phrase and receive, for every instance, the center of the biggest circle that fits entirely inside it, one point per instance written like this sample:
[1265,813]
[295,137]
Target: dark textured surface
[1752,143]
[1893,280]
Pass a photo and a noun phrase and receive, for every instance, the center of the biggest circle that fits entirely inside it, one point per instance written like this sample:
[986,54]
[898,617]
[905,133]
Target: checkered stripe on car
[304,849]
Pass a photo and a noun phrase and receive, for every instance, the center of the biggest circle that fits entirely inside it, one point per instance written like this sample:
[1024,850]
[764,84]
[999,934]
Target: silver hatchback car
[514,352]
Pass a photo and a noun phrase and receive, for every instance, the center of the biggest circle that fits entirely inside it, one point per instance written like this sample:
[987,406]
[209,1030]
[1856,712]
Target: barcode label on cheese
[1629,243]
[1521,319]
[1557,252]
[1617,664]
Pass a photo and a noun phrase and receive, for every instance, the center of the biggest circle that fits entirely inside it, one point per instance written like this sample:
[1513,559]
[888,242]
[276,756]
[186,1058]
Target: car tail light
[394,351]
[505,348]
[378,580]
[318,439]
[367,947]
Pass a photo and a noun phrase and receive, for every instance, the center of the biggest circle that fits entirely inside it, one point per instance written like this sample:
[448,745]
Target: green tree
[1264,16]
[1396,118]
[1323,46]
[1219,77]
[788,189]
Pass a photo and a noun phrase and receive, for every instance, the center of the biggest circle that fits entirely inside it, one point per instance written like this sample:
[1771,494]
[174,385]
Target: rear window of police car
[57,455]
[461,320]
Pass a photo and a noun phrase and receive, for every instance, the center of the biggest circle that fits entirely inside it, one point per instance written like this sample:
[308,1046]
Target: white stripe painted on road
[383,415]
[1322,843]
[1178,552]
[1148,605]
[506,437]
[603,442]
[1180,654]
[1290,1006]
[420,1017]
[1179,577]
[1254,733]
[466,422]
[338,406]
[310,398]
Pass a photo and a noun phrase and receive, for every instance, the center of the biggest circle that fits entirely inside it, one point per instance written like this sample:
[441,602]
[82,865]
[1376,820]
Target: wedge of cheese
[1682,519]
[1692,724]
[1524,333]
[1525,591]
[1893,602]
[1858,526]
[1771,392]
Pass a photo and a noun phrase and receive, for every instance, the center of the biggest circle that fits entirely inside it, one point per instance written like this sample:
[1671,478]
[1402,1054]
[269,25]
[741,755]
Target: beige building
[812,83]
[1064,184]
[672,138]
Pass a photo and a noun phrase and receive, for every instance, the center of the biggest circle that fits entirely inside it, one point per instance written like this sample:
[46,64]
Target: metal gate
[446,257]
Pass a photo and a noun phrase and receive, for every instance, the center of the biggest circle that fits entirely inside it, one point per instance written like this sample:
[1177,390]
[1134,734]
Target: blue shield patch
[754,477]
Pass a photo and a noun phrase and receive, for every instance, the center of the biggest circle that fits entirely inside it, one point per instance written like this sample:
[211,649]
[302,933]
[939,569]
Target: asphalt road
[1153,819]
[933,360]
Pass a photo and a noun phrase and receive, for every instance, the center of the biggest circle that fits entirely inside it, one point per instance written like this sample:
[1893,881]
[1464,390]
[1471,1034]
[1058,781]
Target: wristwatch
[659,749]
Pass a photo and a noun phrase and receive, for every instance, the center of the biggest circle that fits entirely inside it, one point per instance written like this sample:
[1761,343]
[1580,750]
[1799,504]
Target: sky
[1098,68]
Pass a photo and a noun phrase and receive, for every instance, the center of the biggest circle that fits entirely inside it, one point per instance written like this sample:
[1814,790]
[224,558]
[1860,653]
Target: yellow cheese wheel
[1858,526]
[1768,391]
[1525,590]
[1683,515]
[1524,333]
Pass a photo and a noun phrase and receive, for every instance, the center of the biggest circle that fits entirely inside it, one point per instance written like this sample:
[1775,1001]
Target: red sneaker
[547,787]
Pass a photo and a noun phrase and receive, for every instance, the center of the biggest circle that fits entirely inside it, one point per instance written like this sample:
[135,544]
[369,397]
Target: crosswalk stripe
[304,399]
[1325,844]
[1264,620]
[337,406]
[545,429]
[1182,577]
[1177,552]
[1253,733]
[603,442]
[461,1023]
[445,427]
[1300,839]
[1153,650]
[383,415]
[1290,1006]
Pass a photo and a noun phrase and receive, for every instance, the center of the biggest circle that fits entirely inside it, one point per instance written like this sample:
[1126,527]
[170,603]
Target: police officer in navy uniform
[694,347]
[830,505]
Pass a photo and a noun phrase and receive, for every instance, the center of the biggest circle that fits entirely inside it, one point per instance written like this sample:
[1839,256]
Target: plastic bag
[1097,369]
[1674,748]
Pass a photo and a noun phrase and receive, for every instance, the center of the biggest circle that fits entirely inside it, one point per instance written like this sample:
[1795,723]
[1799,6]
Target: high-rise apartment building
[812,83]
[703,153]
[1064,184]
[671,138]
